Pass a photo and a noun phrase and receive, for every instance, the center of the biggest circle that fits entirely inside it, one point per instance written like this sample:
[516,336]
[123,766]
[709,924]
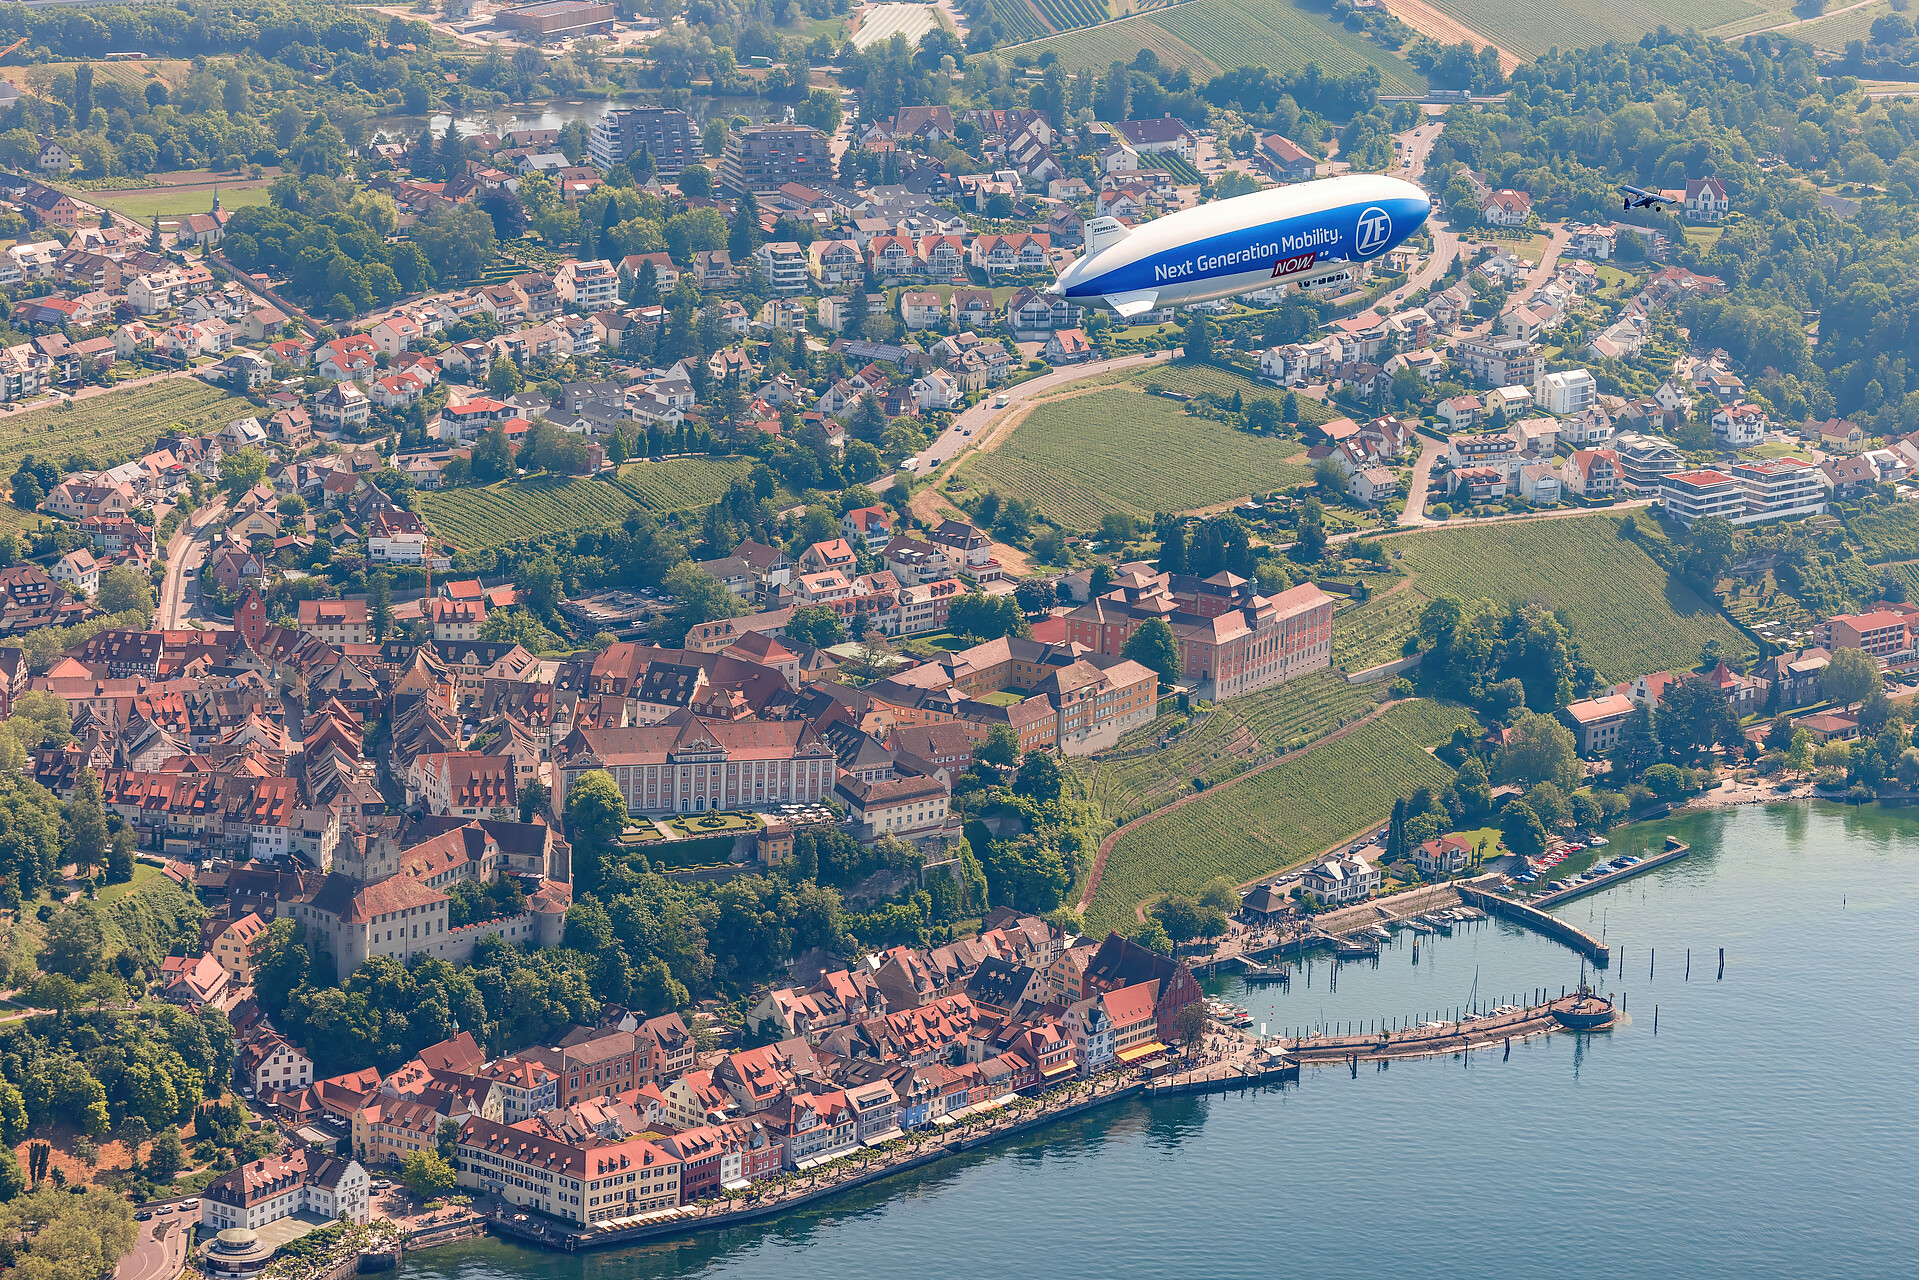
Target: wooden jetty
[1255,974]
[1581,1011]
[1268,1064]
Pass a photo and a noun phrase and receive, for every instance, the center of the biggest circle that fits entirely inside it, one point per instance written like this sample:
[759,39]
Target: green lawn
[143,874]
[171,202]
[1001,698]
[1281,818]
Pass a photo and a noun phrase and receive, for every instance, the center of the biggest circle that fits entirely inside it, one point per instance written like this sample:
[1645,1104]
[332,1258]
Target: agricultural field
[1280,818]
[884,21]
[681,484]
[1285,37]
[1628,616]
[1061,463]
[1181,170]
[1069,15]
[1890,533]
[1833,31]
[1365,635]
[497,514]
[1209,36]
[1140,775]
[539,506]
[1528,29]
[1100,47]
[120,423]
[1020,21]
[133,75]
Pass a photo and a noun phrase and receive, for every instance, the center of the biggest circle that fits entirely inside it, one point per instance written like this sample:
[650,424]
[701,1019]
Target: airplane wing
[1130,305]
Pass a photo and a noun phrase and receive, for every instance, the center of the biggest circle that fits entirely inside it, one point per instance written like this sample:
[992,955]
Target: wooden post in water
[1655,1019]
[1654,960]
[1688,977]
[1722,965]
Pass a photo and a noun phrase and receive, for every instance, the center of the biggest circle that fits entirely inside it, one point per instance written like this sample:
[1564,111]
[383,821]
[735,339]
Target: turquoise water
[1766,1130]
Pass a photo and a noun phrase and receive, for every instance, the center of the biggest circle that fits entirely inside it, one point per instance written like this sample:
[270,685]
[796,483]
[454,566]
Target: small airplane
[1632,197]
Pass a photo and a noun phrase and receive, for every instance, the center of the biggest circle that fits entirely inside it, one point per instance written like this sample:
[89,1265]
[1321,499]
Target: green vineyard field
[497,514]
[1528,28]
[1061,464]
[1280,818]
[1099,47]
[1138,775]
[121,422]
[1281,35]
[537,506]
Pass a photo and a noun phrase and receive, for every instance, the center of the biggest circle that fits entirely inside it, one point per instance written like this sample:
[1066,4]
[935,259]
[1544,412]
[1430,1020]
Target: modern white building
[1568,391]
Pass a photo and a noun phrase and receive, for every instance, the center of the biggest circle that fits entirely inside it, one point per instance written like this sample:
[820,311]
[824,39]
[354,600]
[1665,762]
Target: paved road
[1418,143]
[186,552]
[156,1259]
[955,439]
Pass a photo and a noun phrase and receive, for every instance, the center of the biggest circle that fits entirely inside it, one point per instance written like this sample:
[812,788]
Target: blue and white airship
[1307,234]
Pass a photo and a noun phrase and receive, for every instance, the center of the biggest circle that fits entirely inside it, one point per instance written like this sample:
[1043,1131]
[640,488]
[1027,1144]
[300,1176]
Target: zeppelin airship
[1306,234]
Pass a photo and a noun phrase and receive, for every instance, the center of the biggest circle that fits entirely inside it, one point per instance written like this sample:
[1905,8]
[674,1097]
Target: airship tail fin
[1129,305]
[1104,231]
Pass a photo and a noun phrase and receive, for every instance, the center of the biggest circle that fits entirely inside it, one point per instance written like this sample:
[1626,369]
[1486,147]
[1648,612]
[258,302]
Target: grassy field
[120,422]
[1528,28]
[1063,463]
[1627,615]
[1139,775]
[1208,36]
[512,510]
[172,202]
[1280,818]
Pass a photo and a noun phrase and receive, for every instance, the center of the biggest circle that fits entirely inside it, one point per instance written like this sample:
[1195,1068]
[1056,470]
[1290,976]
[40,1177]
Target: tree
[1198,341]
[1038,777]
[595,816]
[76,942]
[817,625]
[166,1157]
[696,182]
[457,240]
[120,857]
[426,1174]
[1694,716]
[87,823]
[1001,748]
[1539,749]
[508,215]
[241,470]
[1154,647]
[700,597]
[1799,754]
[1152,936]
[1849,676]
[743,238]
[1522,830]
[1189,1025]
[124,588]
[280,963]
[503,378]
[535,796]
[380,603]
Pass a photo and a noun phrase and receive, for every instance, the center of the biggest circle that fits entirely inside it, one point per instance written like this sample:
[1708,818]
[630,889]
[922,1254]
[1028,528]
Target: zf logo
[1374,230]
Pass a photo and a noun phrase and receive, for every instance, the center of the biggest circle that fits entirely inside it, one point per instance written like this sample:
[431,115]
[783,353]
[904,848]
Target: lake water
[1766,1130]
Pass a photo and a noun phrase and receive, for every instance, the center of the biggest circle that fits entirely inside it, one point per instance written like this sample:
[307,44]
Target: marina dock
[1541,922]
[1577,1012]
[1675,849]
